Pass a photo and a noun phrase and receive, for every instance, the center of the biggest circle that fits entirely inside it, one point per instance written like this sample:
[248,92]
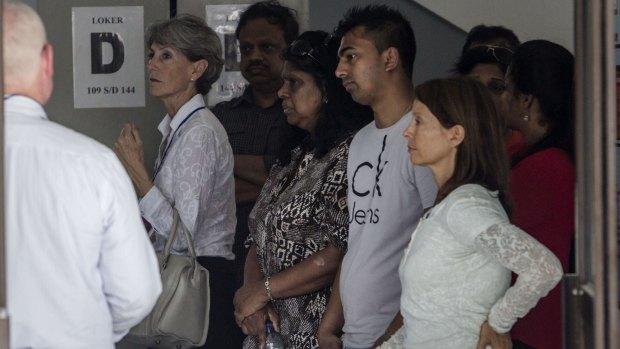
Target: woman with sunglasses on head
[455,272]
[540,101]
[485,56]
[299,225]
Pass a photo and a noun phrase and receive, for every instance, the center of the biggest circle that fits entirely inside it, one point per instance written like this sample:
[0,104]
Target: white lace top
[456,271]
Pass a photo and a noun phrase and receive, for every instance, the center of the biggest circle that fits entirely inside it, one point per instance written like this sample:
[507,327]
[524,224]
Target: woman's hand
[254,325]
[249,299]
[488,336]
[130,151]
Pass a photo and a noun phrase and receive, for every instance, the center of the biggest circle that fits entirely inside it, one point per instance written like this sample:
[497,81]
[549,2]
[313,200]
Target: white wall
[197,7]
[31,3]
[530,19]
[103,124]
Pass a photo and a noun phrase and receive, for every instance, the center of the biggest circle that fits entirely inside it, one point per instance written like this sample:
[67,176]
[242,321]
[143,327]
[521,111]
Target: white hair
[23,40]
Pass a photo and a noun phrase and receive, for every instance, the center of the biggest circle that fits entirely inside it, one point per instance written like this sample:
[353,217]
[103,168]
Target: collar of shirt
[169,125]
[248,97]
[26,106]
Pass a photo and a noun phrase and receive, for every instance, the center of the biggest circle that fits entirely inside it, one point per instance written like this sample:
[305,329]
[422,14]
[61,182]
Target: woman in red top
[539,103]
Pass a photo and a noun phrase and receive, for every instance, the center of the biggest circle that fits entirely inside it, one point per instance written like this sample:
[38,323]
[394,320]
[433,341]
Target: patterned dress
[302,209]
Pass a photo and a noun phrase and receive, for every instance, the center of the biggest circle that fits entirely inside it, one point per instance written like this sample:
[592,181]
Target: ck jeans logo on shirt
[364,171]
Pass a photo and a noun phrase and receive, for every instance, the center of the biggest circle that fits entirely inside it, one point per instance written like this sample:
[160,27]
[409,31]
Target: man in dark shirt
[255,122]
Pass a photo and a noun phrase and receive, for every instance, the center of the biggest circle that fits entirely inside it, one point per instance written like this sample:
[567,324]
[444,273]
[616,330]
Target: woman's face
[170,72]
[301,98]
[513,111]
[429,143]
[492,77]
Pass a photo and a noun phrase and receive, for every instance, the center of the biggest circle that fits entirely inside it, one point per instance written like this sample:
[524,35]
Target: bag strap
[176,219]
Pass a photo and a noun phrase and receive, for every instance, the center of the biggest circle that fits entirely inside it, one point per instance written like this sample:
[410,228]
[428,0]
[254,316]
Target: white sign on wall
[108,57]
[224,19]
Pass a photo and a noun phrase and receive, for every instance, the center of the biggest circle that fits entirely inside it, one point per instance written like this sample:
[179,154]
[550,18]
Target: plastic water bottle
[274,339]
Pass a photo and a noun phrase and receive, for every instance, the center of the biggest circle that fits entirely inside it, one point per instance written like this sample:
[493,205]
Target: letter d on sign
[96,52]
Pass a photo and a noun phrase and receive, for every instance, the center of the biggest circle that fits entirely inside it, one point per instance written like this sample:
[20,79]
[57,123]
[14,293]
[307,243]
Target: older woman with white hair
[194,170]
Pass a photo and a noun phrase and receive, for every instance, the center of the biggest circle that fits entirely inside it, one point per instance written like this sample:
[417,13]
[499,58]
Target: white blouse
[80,268]
[194,174]
[456,272]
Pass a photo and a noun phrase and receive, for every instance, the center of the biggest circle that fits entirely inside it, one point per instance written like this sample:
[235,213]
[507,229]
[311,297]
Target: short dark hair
[481,158]
[546,70]
[483,54]
[339,116]
[493,34]
[489,35]
[386,27]
[275,14]
[193,38]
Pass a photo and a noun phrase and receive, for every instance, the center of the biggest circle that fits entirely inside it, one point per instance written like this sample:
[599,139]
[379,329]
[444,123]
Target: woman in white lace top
[455,272]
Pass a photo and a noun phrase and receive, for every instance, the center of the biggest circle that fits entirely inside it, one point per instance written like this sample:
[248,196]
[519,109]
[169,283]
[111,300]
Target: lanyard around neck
[163,157]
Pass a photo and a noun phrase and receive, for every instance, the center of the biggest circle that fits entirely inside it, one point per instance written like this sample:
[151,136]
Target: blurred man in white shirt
[80,268]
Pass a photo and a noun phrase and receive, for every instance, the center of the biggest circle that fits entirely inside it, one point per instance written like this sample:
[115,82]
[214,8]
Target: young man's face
[360,66]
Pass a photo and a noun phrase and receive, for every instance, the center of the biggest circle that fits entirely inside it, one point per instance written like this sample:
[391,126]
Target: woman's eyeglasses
[501,54]
[302,48]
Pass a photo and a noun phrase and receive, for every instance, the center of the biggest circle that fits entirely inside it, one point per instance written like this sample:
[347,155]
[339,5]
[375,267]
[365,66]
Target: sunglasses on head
[303,48]
[501,54]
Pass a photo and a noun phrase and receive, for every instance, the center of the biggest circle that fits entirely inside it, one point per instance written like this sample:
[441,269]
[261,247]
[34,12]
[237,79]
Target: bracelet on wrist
[268,289]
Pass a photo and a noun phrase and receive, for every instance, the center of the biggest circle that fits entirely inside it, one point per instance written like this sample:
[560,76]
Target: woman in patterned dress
[300,221]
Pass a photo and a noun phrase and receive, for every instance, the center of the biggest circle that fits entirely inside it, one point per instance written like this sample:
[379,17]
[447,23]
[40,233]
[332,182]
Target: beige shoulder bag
[180,318]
